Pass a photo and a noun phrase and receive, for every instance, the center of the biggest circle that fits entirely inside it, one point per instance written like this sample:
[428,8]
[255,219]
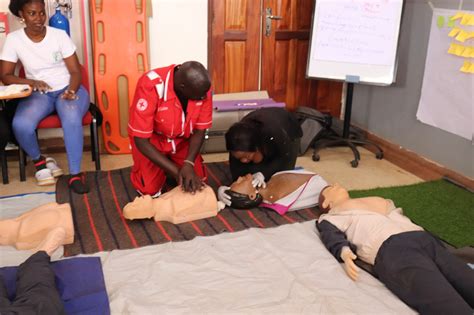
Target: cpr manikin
[411,262]
[175,206]
[43,229]
[284,191]
[32,228]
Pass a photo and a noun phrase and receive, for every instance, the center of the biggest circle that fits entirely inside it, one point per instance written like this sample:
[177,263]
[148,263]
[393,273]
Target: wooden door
[234,45]
[239,63]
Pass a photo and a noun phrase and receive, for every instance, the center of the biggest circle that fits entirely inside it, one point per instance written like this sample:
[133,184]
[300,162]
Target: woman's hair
[243,136]
[17,5]
[241,201]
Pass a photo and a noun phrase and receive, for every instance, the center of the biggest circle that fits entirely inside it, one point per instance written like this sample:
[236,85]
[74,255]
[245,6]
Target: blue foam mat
[80,283]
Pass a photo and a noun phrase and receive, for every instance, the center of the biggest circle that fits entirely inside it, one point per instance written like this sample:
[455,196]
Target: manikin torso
[175,206]
[373,204]
[29,229]
[366,222]
[279,185]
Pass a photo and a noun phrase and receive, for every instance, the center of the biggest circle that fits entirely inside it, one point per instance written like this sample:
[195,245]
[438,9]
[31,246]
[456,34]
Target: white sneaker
[53,167]
[44,177]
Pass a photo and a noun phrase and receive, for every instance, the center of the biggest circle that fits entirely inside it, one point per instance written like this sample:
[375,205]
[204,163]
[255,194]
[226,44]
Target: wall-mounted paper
[440,21]
[464,17]
[446,100]
[467,67]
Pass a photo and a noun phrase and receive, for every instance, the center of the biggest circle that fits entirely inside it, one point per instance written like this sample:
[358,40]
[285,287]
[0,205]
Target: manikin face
[243,185]
[333,194]
[141,207]
[35,16]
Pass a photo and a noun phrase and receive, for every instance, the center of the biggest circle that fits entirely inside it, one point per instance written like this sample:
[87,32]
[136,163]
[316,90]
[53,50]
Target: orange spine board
[120,51]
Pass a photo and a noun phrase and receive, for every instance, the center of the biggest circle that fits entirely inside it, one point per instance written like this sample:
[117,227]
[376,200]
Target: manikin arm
[336,242]
[334,239]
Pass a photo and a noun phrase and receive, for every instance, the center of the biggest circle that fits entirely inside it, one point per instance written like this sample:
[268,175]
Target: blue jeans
[37,106]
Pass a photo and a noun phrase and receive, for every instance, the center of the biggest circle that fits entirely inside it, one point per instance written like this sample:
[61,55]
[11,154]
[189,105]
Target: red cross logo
[142,104]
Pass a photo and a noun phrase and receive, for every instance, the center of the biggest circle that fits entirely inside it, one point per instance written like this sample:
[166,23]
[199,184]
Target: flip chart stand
[350,138]
[354,139]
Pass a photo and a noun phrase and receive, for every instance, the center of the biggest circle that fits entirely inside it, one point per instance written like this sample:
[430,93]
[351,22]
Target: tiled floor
[334,166]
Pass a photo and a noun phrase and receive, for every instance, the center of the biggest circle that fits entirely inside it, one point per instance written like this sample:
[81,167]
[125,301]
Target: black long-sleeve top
[334,239]
[280,132]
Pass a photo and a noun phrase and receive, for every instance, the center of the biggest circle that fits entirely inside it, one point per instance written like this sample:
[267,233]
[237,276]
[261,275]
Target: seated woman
[285,191]
[53,71]
[266,140]
[175,206]
[32,228]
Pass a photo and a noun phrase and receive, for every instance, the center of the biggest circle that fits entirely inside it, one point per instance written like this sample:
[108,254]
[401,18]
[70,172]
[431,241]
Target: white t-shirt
[44,60]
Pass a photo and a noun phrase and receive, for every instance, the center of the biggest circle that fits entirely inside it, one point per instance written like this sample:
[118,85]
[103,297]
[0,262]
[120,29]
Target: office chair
[331,132]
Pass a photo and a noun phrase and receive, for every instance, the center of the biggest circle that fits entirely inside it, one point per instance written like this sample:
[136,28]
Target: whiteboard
[355,38]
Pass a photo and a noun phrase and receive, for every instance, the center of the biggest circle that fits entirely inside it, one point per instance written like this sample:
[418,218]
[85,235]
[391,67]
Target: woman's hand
[222,196]
[188,179]
[69,95]
[258,180]
[40,86]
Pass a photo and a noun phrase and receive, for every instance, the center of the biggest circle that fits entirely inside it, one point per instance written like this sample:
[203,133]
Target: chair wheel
[316,157]
[379,155]
[354,163]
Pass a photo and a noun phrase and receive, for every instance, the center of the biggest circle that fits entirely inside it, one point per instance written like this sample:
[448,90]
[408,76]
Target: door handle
[268,20]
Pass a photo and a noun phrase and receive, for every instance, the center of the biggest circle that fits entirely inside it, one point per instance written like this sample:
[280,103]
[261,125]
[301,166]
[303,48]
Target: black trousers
[6,117]
[36,291]
[417,268]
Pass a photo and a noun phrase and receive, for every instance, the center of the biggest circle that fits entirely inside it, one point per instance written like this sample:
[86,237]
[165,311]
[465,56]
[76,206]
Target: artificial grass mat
[440,207]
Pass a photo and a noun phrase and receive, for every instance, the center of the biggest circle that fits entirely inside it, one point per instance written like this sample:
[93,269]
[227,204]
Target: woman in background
[52,69]
[266,140]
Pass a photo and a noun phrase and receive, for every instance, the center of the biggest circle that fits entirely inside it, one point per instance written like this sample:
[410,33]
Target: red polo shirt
[156,110]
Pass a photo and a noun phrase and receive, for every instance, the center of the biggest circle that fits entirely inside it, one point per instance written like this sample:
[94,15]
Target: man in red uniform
[171,110]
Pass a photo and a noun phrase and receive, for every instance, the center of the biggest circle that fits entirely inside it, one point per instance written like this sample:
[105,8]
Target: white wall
[178,32]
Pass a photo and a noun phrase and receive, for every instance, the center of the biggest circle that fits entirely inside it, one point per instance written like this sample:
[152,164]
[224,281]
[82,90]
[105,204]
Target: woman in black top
[266,140]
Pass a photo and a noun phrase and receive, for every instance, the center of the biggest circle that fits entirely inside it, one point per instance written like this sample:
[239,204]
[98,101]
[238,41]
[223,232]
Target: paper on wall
[447,99]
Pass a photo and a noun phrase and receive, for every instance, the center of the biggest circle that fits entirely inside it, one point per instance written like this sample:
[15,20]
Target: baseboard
[417,164]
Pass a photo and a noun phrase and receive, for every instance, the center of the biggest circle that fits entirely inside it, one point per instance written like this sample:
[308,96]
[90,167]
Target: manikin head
[191,81]
[332,195]
[243,141]
[142,207]
[242,194]
[31,11]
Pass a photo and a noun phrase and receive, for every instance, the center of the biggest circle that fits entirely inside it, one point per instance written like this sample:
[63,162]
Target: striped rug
[100,225]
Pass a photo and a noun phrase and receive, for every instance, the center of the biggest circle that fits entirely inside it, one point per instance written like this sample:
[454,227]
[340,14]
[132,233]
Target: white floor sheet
[284,270]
